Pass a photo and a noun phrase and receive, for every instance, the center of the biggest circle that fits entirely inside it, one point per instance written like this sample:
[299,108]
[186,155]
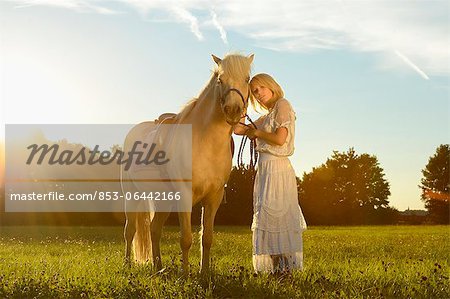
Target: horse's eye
[219,81]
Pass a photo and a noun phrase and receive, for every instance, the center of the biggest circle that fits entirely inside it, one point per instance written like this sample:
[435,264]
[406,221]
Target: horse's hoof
[127,263]
[205,271]
[184,274]
[205,279]
[158,268]
[205,275]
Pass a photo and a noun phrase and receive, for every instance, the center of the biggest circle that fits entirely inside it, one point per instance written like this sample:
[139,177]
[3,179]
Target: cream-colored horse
[219,106]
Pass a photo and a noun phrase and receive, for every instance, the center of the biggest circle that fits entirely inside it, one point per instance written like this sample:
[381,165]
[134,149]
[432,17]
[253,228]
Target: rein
[253,152]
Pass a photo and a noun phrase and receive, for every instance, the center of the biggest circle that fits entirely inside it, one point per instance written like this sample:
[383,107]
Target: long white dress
[278,221]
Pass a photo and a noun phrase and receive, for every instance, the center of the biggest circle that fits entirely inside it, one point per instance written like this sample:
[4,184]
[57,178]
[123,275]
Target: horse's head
[232,85]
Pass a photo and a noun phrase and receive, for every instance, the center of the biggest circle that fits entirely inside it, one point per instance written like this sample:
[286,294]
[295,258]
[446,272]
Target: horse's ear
[250,57]
[216,59]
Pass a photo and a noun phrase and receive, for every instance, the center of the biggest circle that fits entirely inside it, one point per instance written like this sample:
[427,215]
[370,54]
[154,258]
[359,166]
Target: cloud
[185,16]
[77,5]
[417,33]
[412,65]
[223,34]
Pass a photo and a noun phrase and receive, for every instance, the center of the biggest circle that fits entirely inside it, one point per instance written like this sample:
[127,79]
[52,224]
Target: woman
[278,221]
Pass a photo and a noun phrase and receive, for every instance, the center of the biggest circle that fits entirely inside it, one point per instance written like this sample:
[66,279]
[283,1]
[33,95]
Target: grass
[340,262]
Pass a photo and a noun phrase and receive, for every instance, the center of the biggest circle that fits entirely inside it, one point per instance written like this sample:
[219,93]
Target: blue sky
[373,75]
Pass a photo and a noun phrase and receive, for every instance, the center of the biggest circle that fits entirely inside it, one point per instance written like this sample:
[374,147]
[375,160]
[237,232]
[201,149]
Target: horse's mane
[187,108]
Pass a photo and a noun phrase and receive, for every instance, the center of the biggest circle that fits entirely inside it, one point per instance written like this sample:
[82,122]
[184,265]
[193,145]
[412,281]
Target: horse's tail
[142,242]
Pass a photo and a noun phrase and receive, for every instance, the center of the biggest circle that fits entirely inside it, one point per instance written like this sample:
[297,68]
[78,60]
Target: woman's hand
[239,129]
[251,133]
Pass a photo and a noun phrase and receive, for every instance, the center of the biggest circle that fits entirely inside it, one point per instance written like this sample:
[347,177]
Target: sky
[373,75]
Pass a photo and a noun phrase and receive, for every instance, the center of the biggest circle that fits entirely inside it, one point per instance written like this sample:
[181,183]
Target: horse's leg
[208,215]
[156,229]
[185,239]
[129,231]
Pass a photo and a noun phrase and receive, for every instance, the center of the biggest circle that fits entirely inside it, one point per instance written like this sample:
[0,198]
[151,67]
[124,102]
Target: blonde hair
[268,81]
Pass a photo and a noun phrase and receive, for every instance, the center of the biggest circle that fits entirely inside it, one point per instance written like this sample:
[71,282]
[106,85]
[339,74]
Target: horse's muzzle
[232,114]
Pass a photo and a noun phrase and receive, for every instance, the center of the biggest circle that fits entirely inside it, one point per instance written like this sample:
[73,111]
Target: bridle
[253,152]
[244,100]
[223,96]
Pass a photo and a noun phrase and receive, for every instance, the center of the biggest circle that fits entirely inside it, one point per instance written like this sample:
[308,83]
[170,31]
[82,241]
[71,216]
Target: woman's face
[262,94]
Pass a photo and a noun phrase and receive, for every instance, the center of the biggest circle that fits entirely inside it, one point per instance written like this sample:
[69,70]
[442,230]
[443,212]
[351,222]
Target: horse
[220,105]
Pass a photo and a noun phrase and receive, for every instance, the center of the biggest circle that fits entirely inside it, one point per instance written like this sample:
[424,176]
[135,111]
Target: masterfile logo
[74,168]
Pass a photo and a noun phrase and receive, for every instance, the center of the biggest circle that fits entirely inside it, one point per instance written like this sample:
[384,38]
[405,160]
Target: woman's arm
[258,123]
[277,138]
[283,116]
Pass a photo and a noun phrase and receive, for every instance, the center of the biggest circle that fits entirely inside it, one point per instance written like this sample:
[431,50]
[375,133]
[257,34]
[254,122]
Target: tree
[347,189]
[436,185]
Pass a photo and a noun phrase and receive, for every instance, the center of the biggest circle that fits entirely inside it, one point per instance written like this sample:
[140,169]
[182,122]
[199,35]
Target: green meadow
[339,262]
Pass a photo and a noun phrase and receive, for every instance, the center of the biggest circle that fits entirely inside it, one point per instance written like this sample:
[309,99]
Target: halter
[224,95]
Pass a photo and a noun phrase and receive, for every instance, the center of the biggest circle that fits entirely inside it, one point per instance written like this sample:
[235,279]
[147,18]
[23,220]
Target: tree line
[351,189]
[348,189]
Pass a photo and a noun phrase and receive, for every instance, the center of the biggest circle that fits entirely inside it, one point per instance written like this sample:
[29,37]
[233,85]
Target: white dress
[278,221]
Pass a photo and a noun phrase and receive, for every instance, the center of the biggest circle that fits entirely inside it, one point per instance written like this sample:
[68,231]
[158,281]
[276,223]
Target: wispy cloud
[185,16]
[412,65]
[223,33]
[417,32]
[77,5]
